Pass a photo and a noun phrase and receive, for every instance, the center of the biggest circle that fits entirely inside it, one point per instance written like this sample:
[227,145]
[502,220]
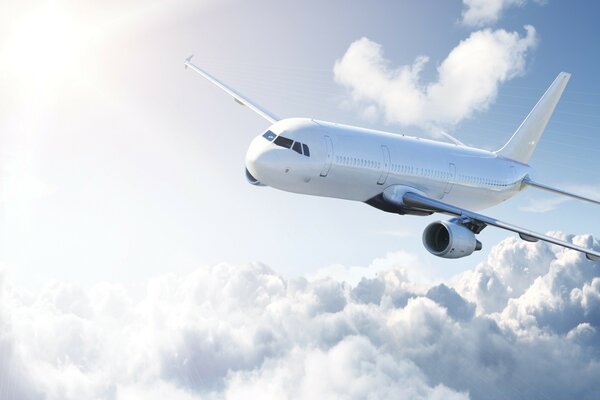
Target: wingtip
[187,60]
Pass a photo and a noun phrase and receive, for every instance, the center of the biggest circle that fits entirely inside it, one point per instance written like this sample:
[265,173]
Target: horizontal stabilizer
[531,183]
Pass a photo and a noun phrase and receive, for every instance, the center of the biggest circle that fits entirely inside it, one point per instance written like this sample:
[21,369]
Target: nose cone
[256,160]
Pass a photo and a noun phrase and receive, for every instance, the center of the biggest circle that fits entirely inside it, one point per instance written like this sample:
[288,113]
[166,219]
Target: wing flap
[236,96]
[419,201]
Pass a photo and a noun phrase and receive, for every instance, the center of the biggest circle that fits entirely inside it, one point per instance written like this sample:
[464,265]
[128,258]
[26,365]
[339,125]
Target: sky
[125,212]
[117,162]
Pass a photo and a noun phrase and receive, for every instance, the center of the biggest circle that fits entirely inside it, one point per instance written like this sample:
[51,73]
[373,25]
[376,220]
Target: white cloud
[467,81]
[484,12]
[400,260]
[353,368]
[523,324]
[544,205]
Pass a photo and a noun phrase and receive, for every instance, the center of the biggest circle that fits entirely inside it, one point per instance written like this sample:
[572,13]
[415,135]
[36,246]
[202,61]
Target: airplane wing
[478,222]
[236,96]
[529,182]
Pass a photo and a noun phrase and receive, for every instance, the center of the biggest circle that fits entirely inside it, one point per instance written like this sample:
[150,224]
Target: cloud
[484,12]
[400,260]
[523,324]
[544,205]
[467,80]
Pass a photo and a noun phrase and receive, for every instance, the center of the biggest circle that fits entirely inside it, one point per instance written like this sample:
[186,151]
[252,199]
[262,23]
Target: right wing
[236,96]
[466,217]
[529,182]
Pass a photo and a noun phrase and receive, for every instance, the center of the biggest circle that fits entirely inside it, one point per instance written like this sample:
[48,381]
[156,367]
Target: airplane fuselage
[405,175]
[353,163]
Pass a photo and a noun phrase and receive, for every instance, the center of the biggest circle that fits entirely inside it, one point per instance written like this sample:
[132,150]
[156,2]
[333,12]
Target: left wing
[236,96]
[479,221]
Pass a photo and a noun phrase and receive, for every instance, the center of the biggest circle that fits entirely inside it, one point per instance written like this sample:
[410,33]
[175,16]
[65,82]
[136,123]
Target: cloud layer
[523,324]
[467,80]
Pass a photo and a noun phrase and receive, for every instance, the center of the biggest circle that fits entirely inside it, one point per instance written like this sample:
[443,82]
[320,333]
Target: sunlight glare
[43,49]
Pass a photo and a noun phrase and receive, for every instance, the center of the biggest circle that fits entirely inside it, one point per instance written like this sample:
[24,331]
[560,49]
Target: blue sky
[126,165]
[136,261]
[132,166]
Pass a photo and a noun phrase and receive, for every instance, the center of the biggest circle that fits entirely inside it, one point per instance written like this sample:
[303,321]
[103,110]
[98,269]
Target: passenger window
[305,148]
[269,136]
[297,147]
[283,142]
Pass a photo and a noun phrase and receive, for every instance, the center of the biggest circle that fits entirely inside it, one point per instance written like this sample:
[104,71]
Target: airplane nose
[256,162]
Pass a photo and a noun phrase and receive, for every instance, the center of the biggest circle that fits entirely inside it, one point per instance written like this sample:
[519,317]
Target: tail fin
[521,145]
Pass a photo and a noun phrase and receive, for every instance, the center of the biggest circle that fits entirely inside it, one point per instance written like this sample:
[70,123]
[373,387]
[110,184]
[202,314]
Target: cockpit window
[283,142]
[306,152]
[297,147]
[269,136]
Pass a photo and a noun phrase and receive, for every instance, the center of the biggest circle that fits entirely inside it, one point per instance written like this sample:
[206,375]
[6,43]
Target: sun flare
[43,48]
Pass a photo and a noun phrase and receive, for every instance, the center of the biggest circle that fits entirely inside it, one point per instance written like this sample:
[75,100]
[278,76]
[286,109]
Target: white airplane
[402,174]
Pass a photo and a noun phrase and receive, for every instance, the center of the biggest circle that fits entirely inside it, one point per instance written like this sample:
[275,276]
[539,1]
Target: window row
[426,172]
[482,181]
[357,162]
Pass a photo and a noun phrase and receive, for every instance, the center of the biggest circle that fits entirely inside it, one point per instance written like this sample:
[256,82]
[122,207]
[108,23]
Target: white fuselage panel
[358,164]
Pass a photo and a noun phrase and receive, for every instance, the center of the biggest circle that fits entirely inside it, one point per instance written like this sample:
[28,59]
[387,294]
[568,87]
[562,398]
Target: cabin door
[329,157]
[385,165]
[451,178]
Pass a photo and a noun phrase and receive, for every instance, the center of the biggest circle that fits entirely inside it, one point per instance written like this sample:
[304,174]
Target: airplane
[402,174]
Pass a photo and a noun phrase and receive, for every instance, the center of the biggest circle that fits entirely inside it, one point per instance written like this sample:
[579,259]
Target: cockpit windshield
[297,147]
[300,148]
[283,142]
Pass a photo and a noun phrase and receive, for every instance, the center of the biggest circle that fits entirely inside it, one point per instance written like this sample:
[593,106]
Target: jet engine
[449,240]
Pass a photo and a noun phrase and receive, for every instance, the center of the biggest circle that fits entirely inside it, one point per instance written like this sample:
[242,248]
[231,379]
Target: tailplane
[521,145]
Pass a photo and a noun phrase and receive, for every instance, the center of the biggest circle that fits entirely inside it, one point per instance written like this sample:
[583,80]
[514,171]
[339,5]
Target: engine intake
[449,240]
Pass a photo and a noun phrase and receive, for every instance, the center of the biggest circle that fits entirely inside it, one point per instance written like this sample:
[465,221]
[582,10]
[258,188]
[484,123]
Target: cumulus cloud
[483,12]
[467,80]
[523,324]
[401,260]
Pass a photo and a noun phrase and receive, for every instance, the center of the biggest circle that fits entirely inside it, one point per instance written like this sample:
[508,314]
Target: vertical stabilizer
[521,145]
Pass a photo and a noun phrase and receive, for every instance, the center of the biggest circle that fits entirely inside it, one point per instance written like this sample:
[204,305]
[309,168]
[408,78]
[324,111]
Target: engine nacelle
[449,240]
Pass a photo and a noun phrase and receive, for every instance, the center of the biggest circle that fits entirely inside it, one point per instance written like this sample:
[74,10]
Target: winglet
[188,60]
